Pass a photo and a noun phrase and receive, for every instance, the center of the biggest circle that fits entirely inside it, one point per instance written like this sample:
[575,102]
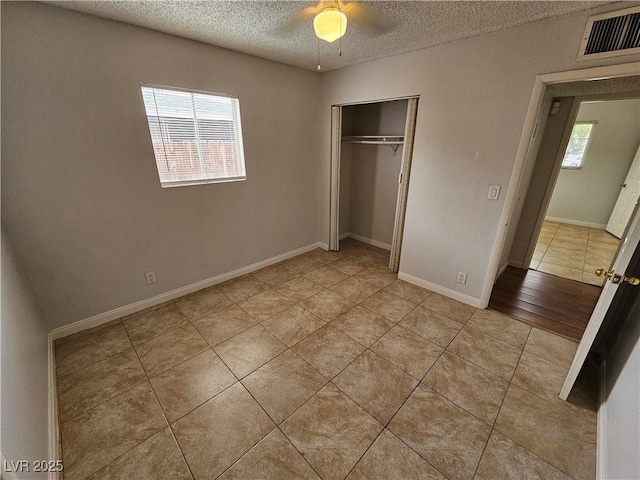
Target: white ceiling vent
[611,34]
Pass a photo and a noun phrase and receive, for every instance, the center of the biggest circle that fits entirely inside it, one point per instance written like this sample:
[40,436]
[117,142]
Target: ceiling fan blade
[366,20]
[303,18]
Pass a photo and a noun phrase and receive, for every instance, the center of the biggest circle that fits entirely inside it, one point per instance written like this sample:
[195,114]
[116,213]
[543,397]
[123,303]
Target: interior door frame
[557,166]
[403,181]
[525,149]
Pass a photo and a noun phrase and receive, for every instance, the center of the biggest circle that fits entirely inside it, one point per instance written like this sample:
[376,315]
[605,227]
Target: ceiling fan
[330,18]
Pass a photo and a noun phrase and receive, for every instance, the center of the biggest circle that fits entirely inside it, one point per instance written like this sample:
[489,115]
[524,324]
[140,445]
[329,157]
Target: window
[196,136]
[578,146]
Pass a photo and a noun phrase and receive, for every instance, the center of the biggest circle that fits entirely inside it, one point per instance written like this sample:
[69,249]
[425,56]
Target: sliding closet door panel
[336,135]
[403,190]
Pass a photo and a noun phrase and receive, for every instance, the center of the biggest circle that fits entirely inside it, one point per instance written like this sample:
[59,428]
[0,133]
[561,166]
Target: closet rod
[375,139]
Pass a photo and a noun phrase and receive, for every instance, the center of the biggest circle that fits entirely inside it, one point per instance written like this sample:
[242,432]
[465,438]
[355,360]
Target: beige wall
[371,171]
[80,193]
[374,191]
[474,96]
[23,383]
[588,195]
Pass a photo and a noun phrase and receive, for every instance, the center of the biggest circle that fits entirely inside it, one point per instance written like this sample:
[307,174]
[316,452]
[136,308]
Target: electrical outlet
[151,277]
[462,278]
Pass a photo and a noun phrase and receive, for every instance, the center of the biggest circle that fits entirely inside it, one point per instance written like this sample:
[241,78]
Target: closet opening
[372,145]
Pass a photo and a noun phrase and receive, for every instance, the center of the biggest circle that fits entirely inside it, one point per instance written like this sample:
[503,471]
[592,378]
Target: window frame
[594,124]
[236,127]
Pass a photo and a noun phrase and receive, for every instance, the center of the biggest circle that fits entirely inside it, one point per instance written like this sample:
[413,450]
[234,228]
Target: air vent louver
[611,34]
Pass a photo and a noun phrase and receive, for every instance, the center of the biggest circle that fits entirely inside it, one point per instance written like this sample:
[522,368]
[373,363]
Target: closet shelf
[375,139]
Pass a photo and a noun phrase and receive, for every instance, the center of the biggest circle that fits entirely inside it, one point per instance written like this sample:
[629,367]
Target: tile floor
[323,366]
[574,252]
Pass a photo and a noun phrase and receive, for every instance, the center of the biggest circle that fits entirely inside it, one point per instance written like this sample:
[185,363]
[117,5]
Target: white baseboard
[97,320]
[513,263]
[102,318]
[601,429]
[502,269]
[368,241]
[54,432]
[447,292]
[579,223]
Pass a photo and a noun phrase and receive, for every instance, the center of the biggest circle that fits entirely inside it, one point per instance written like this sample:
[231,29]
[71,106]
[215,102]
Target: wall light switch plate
[494,192]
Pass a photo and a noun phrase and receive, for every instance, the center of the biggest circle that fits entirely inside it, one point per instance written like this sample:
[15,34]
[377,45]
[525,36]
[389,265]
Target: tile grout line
[155,394]
[120,321]
[493,427]
[111,324]
[330,381]
[385,426]
[154,433]
[277,425]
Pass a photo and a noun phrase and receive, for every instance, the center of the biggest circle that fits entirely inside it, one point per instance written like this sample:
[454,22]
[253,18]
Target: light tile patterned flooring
[573,252]
[325,365]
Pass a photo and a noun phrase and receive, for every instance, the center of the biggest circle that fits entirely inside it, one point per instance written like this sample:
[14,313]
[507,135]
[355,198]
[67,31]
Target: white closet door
[403,180]
[336,137]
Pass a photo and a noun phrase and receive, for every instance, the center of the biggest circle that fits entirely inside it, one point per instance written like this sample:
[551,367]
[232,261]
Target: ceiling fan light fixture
[330,24]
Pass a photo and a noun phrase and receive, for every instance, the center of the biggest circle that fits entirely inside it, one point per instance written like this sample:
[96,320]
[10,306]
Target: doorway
[543,304]
[595,190]
[372,147]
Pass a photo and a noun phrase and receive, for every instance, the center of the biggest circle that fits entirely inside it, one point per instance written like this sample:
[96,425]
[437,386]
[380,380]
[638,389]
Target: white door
[403,189]
[626,200]
[616,277]
[334,195]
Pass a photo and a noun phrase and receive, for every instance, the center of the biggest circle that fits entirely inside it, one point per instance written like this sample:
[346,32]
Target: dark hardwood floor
[542,300]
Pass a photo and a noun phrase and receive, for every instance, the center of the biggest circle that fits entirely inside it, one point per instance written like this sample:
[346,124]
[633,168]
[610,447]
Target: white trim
[553,177]
[601,436]
[334,187]
[535,104]
[376,100]
[369,241]
[447,292]
[54,432]
[579,223]
[513,263]
[502,269]
[116,313]
[403,187]
[323,246]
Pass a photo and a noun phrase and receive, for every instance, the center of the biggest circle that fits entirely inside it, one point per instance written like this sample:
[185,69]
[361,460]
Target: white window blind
[196,136]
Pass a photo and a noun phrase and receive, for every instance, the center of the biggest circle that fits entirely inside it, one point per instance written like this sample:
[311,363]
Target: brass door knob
[602,272]
[631,280]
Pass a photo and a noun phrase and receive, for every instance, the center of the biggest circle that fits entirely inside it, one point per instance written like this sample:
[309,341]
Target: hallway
[545,301]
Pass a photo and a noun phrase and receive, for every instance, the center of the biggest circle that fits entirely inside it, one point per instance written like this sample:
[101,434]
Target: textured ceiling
[282,30]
